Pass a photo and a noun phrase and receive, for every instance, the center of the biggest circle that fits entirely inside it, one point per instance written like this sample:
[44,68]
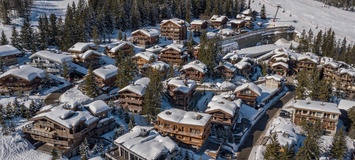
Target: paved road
[261,125]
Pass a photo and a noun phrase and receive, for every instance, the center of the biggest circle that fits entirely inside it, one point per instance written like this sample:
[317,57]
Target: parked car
[284,114]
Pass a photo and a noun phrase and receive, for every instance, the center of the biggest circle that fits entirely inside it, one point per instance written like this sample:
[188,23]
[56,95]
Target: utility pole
[278,7]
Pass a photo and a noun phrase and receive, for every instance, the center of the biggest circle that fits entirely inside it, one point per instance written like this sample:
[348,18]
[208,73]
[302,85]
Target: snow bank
[74,96]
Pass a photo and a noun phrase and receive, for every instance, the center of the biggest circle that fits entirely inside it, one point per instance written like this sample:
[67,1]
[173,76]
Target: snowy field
[308,15]
[58,7]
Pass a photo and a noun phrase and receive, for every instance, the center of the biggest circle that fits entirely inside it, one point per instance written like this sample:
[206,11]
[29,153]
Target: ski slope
[58,7]
[308,14]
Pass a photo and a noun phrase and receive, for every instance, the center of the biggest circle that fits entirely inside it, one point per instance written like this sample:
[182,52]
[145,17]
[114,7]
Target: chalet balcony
[169,130]
[40,132]
[170,56]
[131,101]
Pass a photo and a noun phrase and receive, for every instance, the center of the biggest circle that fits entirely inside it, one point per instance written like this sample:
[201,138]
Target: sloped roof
[197,65]
[182,85]
[98,106]
[138,87]
[220,103]
[106,72]
[228,65]
[26,72]
[253,87]
[88,53]
[116,47]
[218,18]
[177,47]
[280,63]
[150,146]
[177,21]
[81,46]
[184,117]
[198,22]
[7,50]
[59,58]
[148,32]
[146,55]
[316,106]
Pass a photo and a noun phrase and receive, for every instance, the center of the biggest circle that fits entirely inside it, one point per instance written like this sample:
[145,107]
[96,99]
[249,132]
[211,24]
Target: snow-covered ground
[74,96]
[308,15]
[58,7]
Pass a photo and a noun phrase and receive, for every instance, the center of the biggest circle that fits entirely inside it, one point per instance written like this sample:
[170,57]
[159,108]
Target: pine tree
[65,71]
[3,40]
[119,36]
[9,112]
[15,38]
[90,85]
[171,71]
[16,107]
[188,11]
[4,7]
[95,36]
[127,71]
[263,12]
[153,94]
[190,43]
[84,148]
[288,153]
[53,29]
[26,34]
[32,110]
[338,147]
[131,122]
[273,149]
[310,149]
[54,154]
[135,16]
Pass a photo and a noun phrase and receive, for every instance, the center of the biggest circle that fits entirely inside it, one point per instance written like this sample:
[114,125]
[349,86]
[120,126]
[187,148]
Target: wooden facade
[173,56]
[238,24]
[105,82]
[306,64]
[144,39]
[9,60]
[12,84]
[174,29]
[193,74]
[49,131]
[180,99]
[198,25]
[218,22]
[328,120]
[121,48]
[131,100]
[248,93]
[329,72]
[8,55]
[227,70]
[194,135]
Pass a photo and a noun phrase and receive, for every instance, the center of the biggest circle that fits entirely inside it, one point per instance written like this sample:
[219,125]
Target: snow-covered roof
[26,72]
[59,58]
[253,87]
[81,46]
[281,126]
[143,81]
[146,55]
[220,103]
[225,85]
[232,56]
[138,87]
[177,47]
[266,92]
[7,50]
[182,85]
[68,118]
[316,106]
[154,49]
[226,31]
[347,71]
[218,18]
[280,63]
[148,32]
[197,65]
[248,18]
[158,65]
[150,146]
[276,77]
[98,106]
[242,64]
[282,59]
[346,104]
[228,65]
[176,21]
[239,21]
[106,72]
[247,11]
[87,53]
[198,22]
[116,47]
[185,117]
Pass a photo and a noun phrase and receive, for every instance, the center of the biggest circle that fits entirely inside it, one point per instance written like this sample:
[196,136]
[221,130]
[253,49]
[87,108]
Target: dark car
[284,114]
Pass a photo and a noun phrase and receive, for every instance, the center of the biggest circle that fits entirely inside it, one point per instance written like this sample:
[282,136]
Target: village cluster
[200,117]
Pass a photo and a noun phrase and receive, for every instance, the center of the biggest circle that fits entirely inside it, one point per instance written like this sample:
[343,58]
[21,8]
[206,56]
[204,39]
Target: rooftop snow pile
[184,117]
[219,103]
[81,47]
[59,58]
[98,107]
[158,65]
[182,85]
[197,65]
[74,97]
[177,21]
[26,72]
[148,32]
[284,130]
[198,22]
[146,55]
[217,18]
[106,72]
[178,47]
[7,50]
[316,106]
[138,87]
[147,143]
[253,87]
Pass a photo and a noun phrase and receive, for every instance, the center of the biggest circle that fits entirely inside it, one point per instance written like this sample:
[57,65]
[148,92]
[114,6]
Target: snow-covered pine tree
[84,148]
[90,85]
[338,148]
[3,40]
[263,12]
[135,17]
[52,29]
[15,38]
[9,112]
[273,149]
[26,34]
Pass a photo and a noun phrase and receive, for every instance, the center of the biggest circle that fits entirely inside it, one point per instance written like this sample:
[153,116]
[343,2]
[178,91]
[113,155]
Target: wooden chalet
[122,47]
[346,78]
[174,54]
[160,66]
[306,63]
[175,29]
[227,70]
[191,128]
[89,57]
[310,111]
[198,25]
[181,92]
[244,67]
[218,21]
[52,63]
[145,37]
[248,93]
[105,76]
[143,58]
[82,47]
[132,96]
[195,70]
[63,129]
[9,54]
[23,79]
[330,70]
[238,24]
[280,68]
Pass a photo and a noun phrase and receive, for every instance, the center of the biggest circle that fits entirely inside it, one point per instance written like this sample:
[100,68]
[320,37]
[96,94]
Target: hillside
[308,15]
[57,7]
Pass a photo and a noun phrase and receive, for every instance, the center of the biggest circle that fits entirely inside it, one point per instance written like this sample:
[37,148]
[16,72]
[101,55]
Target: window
[304,111]
[319,114]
